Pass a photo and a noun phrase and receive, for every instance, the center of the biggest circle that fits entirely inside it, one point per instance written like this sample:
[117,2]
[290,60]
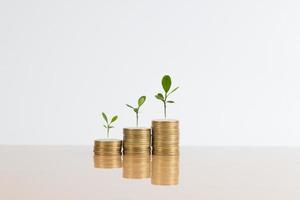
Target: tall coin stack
[136,141]
[165,137]
[108,147]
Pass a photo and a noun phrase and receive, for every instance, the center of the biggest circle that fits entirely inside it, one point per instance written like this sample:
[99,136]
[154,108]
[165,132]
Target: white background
[237,62]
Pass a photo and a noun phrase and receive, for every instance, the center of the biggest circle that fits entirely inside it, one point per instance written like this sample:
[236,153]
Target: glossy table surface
[210,173]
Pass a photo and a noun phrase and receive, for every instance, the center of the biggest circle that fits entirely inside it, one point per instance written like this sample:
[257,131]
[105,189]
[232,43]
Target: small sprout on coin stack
[141,101]
[166,84]
[108,125]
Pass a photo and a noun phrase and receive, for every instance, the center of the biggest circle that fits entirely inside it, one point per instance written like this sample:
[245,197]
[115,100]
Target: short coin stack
[108,147]
[136,141]
[165,135]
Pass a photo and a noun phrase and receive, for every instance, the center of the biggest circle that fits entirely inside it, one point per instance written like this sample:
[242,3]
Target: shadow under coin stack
[136,141]
[165,139]
[136,166]
[107,162]
[165,170]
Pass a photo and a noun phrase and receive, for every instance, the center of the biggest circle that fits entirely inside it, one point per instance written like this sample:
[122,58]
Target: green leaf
[136,110]
[141,100]
[173,90]
[170,101]
[104,126]
[166,83]
[104,117]
[160,96]
[111,127]
[129,106]
[114,119]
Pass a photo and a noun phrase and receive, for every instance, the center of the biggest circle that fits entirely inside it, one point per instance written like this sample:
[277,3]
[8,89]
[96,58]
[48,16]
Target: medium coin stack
[107,147]
[136,141]
[136,166]
[165,137]
[108,162]
[165,170]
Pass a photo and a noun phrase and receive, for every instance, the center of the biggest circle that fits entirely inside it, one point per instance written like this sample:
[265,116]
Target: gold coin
[136,140]
[165,121]
[136,147]
[165,131]
[106,154]
[107,150]
[137,153]
[108,141]
[137,132]
[166,137]
[136,129]
[166,147]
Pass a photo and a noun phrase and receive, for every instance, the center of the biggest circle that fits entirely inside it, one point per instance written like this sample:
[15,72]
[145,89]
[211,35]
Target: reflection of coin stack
[165,170]
[107,147]
[165,135]
[136,166]
[108,162]
[136,141]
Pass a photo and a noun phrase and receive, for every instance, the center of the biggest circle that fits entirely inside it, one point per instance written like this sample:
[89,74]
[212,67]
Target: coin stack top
[136,140]
[165,138]
[107,147]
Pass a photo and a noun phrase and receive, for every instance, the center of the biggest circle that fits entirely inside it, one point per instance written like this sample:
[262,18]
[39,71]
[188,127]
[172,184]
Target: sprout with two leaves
[108,123]
[166,84]
[141,101]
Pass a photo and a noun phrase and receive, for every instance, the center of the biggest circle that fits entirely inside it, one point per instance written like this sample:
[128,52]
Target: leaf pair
[141,101]
[112,119]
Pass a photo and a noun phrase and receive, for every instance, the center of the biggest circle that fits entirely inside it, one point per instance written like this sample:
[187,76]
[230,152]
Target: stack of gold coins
[165,170]
[136,166]
[108,147]
[108,162]
[165,137]
[136,141]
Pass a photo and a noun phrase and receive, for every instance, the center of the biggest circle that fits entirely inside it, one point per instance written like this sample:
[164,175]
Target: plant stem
[165,105]
[107,133]
[165,110]
[137,119]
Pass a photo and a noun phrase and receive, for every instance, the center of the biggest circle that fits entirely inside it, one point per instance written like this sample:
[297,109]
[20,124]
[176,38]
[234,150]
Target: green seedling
[108,125]
[166,84]
[141,100]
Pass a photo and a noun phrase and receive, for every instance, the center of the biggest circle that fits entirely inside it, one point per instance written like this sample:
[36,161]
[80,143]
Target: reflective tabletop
[210,173]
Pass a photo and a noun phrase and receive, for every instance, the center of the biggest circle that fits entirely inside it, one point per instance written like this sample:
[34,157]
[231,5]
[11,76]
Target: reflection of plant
[108,124]
[141,100]
[166,84]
